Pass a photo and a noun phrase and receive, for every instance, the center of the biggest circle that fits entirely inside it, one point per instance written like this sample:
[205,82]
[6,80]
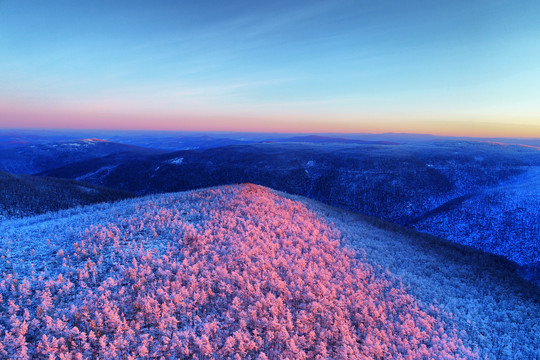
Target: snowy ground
[496,313]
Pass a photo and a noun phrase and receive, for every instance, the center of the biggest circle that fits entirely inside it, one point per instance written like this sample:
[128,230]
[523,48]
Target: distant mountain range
[31,155]
[31,158]
[317,139]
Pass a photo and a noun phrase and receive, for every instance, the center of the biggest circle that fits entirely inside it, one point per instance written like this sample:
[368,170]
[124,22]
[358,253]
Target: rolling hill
[244,271]
[26,195]
[31,158]
[318,139]
[476,193]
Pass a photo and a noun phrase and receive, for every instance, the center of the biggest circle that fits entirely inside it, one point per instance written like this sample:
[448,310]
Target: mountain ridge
[456,278]
[26,195]
[427,187]
[31,158]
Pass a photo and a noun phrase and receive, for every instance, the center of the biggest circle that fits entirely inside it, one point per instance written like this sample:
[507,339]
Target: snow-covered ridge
[232,271]
[82,142]
[241,270]
[94,140]
[510,144]
[101,170]
[72,143]
[176,161]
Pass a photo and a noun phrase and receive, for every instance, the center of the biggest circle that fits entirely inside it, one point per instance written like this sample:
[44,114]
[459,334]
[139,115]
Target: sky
[466,68]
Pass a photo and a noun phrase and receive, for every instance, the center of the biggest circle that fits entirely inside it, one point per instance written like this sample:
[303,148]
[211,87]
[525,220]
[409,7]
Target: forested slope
[34,157]
[479,194]
[25,195]
[486,295]
[237,272]
[240,271]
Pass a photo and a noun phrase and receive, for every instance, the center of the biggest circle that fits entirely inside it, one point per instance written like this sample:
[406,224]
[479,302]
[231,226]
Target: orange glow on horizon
[17,117]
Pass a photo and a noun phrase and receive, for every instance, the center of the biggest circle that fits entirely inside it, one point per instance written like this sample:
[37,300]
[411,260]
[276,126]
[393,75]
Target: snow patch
[98,171]
[176,161]
[94,140]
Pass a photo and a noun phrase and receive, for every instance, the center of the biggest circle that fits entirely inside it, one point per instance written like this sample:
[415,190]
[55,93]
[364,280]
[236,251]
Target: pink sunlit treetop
[231,273]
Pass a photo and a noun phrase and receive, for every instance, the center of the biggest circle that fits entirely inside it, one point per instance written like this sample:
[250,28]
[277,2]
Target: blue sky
[354,66]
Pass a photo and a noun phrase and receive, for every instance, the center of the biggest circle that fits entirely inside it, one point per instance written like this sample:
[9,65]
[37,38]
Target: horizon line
[2,128]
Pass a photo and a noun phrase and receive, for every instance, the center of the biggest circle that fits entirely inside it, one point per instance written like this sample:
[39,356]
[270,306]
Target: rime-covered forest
[230,272]
[481,194]
[25,195]
[236,272]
